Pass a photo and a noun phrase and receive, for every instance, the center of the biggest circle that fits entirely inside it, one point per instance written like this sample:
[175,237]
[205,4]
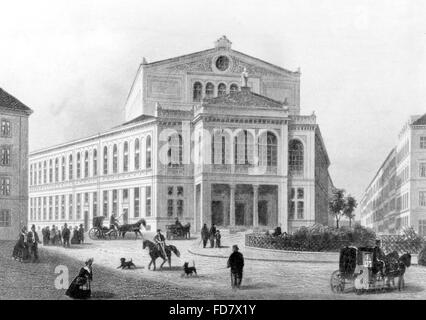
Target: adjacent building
[210,137]
[13,165]
[396,197]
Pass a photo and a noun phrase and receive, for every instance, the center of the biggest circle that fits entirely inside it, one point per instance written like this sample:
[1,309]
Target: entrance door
[262,208]
[239,214]
[125,216]
[217,213]
[86,221]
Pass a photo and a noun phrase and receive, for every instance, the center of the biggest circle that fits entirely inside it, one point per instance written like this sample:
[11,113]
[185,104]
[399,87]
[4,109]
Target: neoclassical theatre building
[210,137]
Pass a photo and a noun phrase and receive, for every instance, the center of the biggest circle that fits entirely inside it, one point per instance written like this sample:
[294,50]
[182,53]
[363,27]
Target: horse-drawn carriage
[176,231]
[99,231]
[362,270]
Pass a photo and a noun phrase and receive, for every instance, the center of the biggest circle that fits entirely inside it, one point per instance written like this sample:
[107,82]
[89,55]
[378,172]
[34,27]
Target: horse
[186,231]
[155,253]
[395,267]
[134,227]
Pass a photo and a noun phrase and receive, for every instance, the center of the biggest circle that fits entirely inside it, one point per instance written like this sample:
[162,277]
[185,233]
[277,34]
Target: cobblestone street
[263,279]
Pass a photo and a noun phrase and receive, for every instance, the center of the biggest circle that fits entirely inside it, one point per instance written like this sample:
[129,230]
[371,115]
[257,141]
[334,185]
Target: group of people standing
[213,235]
[63,236]
[26,248]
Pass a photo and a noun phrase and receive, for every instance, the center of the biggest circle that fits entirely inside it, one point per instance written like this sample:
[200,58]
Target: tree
[349,207]
[337,204]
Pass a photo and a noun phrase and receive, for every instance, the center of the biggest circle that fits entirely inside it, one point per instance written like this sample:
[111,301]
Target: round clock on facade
[222,63]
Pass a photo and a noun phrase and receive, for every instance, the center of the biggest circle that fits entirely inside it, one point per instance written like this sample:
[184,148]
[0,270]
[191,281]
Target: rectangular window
[136,202]
[170,190]
[31,209]
[125,195]
[180,191]
[148,201]
[422,228]
[56,207]
[179,208]
[291,209]
[39,209]
[95,204]
[105,203]
[5,128]
[50,208]
[56,170]
[114,201]
[44,208]
[86,199]
[63,207]
[31,175]
[170,207]
[300,193]
[5,218]
[300,209]
[71,207]
[39,174]
[5,186]
[50,171]
[5,156]
[422,169]
[78,215]
[423,142]
[44,172]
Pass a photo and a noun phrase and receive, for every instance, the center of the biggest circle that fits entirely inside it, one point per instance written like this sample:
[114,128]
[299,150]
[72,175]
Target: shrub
[421,259]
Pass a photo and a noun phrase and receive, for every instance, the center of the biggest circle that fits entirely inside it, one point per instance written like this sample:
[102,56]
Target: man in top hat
[66,233]
[33,241]
[161,242]
[236,263]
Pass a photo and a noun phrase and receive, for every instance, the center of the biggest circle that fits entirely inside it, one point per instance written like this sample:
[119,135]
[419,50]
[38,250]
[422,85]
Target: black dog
[126,264]
[189,270]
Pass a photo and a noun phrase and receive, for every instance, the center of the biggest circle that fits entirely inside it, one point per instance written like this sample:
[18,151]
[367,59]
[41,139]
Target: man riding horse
[160,241]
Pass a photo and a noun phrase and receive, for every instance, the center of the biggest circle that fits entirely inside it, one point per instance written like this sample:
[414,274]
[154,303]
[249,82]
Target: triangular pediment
[244,98]
[204,61]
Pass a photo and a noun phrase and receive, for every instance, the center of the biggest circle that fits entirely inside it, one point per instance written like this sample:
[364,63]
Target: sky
[363,63]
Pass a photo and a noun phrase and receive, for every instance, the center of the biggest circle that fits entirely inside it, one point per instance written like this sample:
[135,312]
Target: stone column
[205,215]
[232,205]
[255,206]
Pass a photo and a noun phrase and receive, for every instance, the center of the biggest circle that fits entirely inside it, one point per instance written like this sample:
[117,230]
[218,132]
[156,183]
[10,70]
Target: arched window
[50,171]
[63,168]
[148,152]
[209,90]
[70,168]
[233,88]
[78,165]
[175,152]
[198,89]
[295,157]
[272,149]
[95,162]
[44,172]
[268,150]
[114,159]
[105,171]
[56,170]
[86,164]
[221,89]
[126,156]
[137,154]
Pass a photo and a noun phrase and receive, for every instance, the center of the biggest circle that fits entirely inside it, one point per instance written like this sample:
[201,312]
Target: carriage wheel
[337,282]
[113,234]
[92,234]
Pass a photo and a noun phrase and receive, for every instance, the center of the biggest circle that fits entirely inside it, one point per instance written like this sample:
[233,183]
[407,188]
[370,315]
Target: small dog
[126,264]
[189,270]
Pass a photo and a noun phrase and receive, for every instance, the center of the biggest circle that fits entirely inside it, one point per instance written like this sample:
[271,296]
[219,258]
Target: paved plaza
[267,275]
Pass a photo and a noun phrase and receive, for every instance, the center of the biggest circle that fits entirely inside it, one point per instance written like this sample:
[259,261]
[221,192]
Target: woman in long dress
[80,286]
[18,250]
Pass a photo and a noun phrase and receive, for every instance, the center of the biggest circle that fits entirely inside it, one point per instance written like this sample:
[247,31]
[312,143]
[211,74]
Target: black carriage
[361,270]
[174,231]
[99,231]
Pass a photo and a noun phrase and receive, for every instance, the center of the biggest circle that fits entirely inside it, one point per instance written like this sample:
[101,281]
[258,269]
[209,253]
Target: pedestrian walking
[204,235]
[75,236]
[32,243]
[212,234]
[236,263]
[66,236]
[18,249]
[81,234]
[53,235]
[59,236]
[218,237]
